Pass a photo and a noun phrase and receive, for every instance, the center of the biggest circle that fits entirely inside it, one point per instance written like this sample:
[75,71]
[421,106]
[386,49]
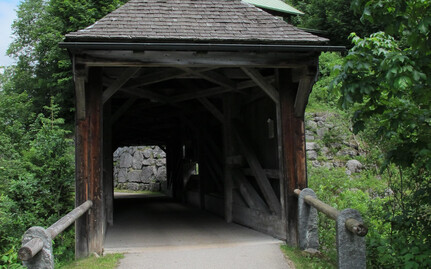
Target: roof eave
[182,46]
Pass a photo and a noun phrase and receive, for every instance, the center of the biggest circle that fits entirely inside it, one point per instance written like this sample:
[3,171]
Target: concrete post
[350,247]
[45,258]
[308,222]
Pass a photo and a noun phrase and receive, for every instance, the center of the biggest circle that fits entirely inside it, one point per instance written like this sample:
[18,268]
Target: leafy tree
[36,175]
[43,69]
[385,80]
[334,18]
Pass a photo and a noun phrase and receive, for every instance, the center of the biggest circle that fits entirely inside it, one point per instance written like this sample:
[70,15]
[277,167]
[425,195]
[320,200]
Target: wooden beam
[191,58]
[156,77]
[250,195]
[114,87]
[213,91]
[212,108]
[306,83]
[123,108]
[260,175]
[89,185]
[80,78]
[108,165]
[293,147]
[213,77]
[228,106]
[262,83]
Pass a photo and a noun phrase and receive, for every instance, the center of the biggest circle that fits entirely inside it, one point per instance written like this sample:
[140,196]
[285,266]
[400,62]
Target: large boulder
[354,166]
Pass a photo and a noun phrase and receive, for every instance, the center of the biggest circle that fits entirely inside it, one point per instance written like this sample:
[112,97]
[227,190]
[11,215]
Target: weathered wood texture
[228,103]
[255,166]
[108,165]
[89,185]
[294,161]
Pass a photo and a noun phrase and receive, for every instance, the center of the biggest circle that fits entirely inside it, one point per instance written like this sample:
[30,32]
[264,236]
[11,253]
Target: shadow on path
[159,233]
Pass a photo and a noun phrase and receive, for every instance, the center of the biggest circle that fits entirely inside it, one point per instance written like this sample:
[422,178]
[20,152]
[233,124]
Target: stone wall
[140,168]
[331,143]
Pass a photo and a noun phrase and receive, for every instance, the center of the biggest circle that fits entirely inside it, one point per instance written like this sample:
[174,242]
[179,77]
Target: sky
[7,15]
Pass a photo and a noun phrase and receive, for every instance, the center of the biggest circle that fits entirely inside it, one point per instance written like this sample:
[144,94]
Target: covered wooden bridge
[221,85]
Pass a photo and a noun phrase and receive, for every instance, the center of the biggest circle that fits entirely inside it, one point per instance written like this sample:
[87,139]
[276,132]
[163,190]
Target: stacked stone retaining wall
[140,168]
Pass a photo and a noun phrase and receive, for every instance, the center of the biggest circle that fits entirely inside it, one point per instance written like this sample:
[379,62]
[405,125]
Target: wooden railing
[349,226]
[36,249]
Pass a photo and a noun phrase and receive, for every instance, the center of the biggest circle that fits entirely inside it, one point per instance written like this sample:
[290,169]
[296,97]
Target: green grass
[304,260]
[109,261]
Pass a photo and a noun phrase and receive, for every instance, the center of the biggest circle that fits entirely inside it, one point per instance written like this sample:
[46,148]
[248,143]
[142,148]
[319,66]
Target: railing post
[350,247]
[307,222]
[40,239]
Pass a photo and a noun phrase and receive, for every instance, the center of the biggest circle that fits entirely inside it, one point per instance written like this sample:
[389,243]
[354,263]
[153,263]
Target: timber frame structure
[221,84]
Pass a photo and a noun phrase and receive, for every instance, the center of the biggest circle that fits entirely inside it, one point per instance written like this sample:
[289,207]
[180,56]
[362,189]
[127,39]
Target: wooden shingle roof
[203,21]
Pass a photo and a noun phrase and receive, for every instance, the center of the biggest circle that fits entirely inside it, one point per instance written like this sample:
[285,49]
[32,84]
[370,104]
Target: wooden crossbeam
[212,108]
[212,77]
[250,195]
[156,77]
[114,87]
[262,83]
[213,91]
[259,173]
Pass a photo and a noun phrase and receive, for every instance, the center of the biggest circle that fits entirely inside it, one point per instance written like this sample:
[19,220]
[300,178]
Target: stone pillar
[45,257]
[350,247]
[307,222]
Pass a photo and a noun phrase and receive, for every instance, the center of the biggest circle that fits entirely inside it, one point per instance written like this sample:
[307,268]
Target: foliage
[385,80]
[303,260]
[107,261]
[36,174]
[43,69]
[322,98]
[334,18]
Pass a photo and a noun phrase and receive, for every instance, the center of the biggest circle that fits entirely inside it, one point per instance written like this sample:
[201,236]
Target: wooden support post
[89,185]
[228,102]
[293,143]
[108,164]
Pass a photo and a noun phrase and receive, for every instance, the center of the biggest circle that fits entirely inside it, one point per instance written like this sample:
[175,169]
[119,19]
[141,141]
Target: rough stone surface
[354,166]
[147,174]
[311,155]
[350,247]
[126,160]
[45,257]
[137,160]
[311,146]
[136,168]
[308,222]
[331,144]
[134,176]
